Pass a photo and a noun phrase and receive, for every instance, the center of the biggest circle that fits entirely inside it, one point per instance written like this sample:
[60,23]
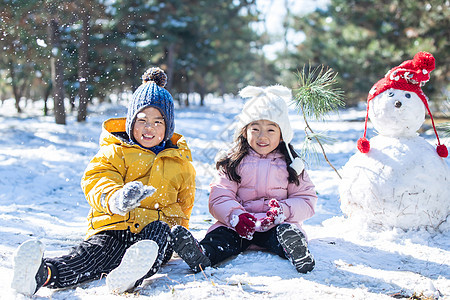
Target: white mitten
[129,197]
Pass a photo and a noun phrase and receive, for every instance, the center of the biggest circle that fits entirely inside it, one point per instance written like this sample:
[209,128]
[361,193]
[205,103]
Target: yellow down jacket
[170,172]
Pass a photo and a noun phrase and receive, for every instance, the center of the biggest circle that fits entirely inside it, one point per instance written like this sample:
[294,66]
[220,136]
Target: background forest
[80,53]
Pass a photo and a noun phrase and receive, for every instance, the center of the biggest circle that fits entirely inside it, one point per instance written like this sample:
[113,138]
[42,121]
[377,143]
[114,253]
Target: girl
[262,195]
[139,185]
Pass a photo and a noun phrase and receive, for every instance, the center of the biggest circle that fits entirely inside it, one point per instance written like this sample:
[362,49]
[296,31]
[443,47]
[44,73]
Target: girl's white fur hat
[268,103]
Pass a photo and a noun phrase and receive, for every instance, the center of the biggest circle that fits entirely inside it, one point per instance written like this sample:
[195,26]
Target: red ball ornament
[363,145]
[442,150]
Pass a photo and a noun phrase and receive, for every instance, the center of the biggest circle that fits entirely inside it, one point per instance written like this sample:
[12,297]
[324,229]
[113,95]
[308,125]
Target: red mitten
[274,215]
[244,225]
[265,223]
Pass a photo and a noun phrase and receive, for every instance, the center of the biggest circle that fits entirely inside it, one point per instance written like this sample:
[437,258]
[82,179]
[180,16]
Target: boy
[139,185]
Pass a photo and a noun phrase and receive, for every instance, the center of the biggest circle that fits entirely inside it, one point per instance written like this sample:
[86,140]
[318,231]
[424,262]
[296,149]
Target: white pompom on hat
[270,103]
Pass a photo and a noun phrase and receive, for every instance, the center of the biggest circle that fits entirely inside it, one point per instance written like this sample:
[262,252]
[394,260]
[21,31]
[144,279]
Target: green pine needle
[311,150]
[316,97]
[444,128]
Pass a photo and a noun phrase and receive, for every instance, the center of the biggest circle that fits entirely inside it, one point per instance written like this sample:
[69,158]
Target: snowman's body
[401,182]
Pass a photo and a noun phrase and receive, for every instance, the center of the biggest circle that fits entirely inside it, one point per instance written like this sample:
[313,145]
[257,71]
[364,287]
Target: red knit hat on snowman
[409,76]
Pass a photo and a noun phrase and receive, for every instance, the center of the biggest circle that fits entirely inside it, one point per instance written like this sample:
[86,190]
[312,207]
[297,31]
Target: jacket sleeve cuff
[108,204]
[286,210]
[235,216]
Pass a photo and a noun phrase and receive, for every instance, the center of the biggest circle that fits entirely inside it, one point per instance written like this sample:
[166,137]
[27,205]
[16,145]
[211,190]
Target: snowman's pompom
[424,60]
[363,145]
[442,150]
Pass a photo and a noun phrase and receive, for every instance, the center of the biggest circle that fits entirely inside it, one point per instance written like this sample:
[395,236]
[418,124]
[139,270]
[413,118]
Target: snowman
[398,179]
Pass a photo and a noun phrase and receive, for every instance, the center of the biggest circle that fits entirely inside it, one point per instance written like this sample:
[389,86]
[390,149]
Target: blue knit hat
[151,93]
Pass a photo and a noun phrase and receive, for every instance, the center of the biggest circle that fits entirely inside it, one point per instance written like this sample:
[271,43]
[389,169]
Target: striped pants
[103,252]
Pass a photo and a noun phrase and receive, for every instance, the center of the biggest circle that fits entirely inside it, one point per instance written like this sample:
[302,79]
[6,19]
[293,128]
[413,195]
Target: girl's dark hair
[230,162]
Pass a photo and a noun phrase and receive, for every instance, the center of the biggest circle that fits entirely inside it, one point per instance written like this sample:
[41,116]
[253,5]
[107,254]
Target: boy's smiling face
[149,128]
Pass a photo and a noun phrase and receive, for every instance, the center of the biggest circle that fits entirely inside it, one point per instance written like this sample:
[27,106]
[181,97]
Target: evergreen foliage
[362,40]
[209,46]
[315,98]
[204,46]
[444,128]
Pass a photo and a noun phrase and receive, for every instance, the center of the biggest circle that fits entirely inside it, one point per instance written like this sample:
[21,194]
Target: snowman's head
[396,104]
[397,113]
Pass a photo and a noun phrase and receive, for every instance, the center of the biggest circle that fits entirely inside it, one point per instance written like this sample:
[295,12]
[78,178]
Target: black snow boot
[295,247]
[187,247]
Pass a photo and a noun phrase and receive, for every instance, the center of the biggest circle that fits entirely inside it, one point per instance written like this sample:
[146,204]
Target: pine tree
[362,40]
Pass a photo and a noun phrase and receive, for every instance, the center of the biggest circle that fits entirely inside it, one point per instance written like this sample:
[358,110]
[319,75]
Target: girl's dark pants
[103,252]
[222,243]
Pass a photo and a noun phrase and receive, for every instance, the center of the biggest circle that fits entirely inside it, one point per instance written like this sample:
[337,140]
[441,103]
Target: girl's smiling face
[149,128]
[263,136]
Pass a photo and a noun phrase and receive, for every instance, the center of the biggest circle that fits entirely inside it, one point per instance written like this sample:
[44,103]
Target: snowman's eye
[408,95]
[391,94]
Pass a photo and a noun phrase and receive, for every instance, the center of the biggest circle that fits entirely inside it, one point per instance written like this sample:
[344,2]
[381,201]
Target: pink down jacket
[262,178]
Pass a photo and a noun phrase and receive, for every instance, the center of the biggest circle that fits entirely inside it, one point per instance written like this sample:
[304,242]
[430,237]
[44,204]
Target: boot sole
[188,250]
[27,260]
[135,264]
[294,244]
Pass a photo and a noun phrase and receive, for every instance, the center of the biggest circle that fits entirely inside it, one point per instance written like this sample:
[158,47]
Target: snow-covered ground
[41,165]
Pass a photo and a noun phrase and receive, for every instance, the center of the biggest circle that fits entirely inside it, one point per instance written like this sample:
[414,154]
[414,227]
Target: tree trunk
[170,65]
[201,86]
[72,100]
[47,93]
[57,73]
[222,88]
[16,92]
[202,98]
[83,67]
[134,73]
